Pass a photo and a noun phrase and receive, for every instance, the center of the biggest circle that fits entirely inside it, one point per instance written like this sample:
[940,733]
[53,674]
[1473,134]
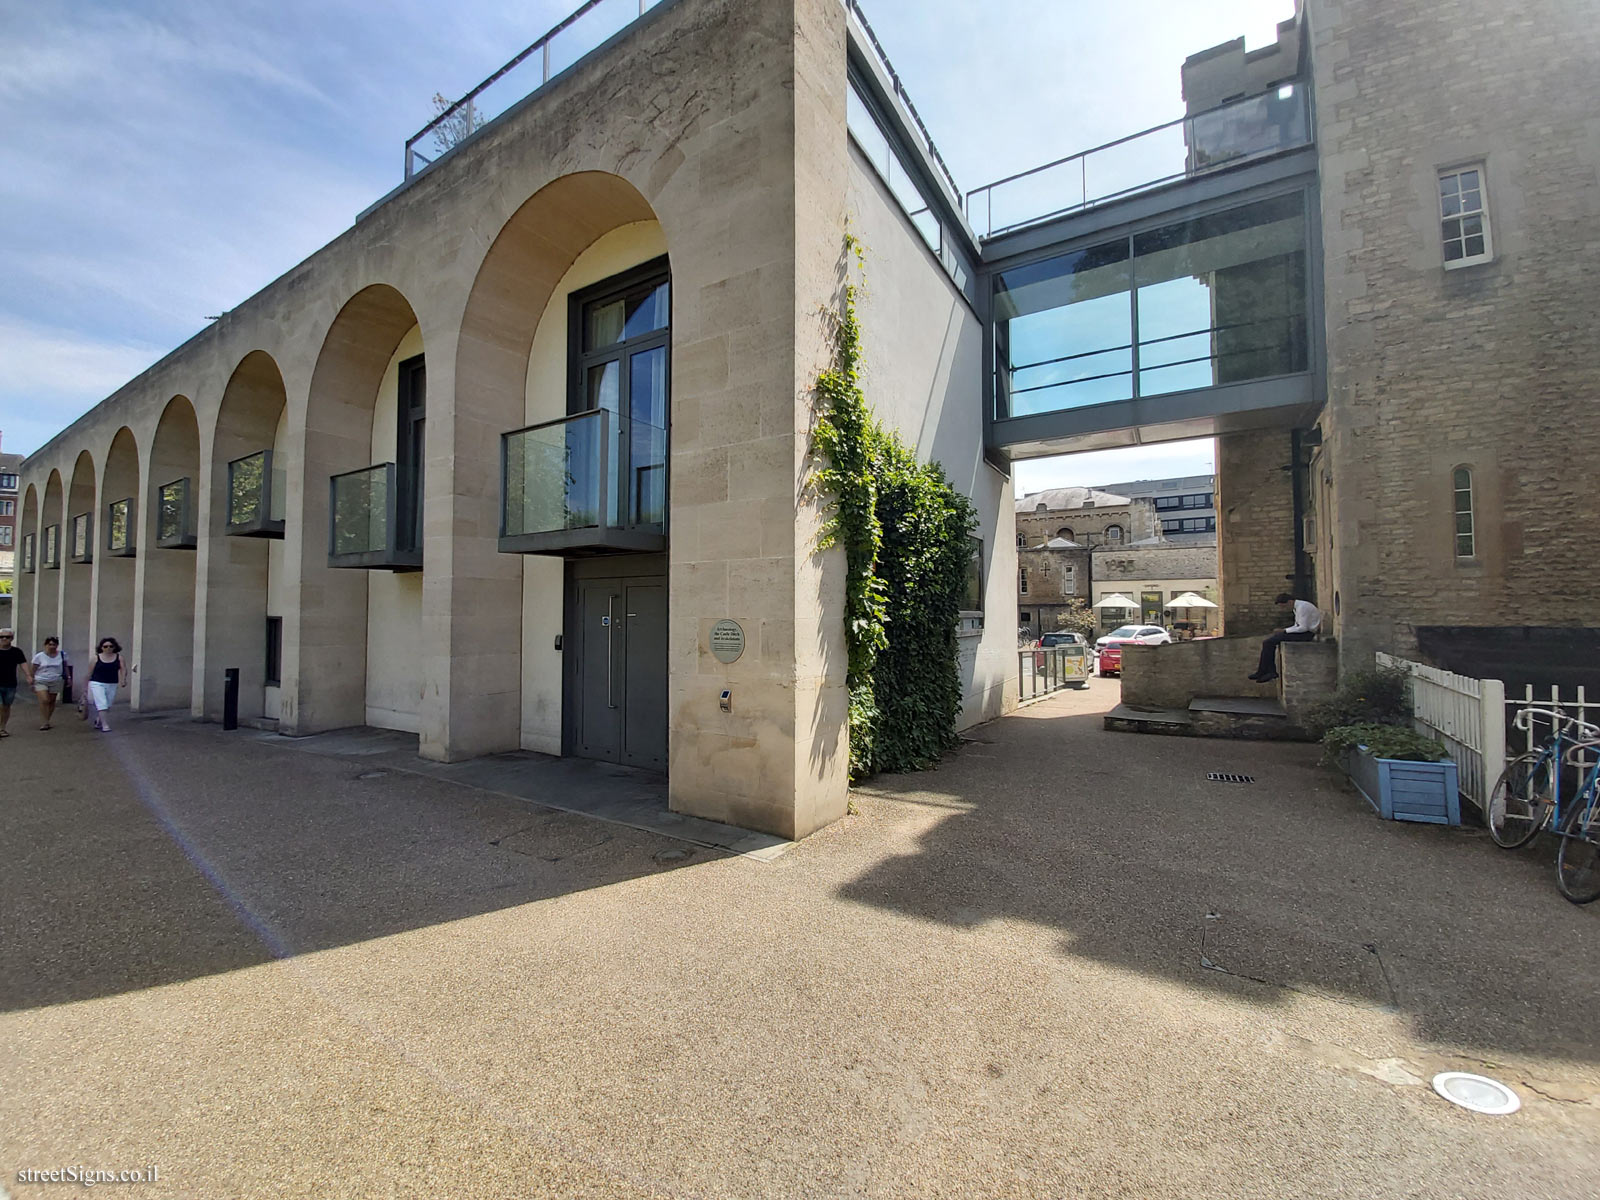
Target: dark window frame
[29,565]
[50,551]
[184,538]
[87,554]
[128,549]
[411,411]
[274,650]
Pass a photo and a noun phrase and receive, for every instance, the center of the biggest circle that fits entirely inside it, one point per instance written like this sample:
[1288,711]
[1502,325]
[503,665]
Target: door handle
[611,652]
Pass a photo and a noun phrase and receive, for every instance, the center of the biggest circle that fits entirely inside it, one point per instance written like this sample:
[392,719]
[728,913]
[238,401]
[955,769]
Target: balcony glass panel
[555,475]
[174,529]
[119,526]
[255,495]
[592,482]
[1261,124]
[82,543]
[361,510]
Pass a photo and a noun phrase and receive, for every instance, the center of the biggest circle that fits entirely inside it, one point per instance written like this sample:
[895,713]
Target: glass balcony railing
[119,528]
[1240,131]
[82,538]
[255,496]
[364,526]
[175,516]
[591,483]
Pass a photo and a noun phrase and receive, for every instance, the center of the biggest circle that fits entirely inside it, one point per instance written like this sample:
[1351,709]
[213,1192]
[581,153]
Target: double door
[615,660]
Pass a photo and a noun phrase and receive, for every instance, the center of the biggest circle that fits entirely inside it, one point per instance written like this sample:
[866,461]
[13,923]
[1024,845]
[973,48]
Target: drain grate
[1229,777]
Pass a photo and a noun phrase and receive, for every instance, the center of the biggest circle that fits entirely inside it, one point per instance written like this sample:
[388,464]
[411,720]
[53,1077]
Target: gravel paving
[1061,964]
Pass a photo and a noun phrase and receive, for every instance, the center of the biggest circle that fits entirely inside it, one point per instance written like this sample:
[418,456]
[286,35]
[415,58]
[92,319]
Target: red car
[1110,647]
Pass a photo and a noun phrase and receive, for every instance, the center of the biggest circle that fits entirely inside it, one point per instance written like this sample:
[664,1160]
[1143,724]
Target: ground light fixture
[1478,1093]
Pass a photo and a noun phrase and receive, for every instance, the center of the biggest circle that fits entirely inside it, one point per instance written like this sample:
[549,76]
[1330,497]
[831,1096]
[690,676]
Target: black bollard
[230,698]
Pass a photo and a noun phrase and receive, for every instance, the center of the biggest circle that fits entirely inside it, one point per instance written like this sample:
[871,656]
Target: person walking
[109,673]
[49,673]
[11,661]
[1307,620]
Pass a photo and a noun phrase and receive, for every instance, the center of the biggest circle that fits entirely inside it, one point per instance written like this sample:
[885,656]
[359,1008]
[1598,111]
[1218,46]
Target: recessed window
[8,508]
[27,553]
[1466,530]
[1113,533]
[1065,532]
[274,662]
[972,600]
[5,535]
[1464,217]
[1022,580]
[8,483]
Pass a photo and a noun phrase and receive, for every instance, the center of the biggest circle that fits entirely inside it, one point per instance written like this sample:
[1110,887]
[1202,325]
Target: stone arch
[47,623]
[499,653]
[117,542]
[25,601]
[244,551]
[77,563]
[329,616]
[168,537]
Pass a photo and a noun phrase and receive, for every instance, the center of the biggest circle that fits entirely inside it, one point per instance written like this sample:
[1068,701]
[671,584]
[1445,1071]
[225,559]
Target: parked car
[1109,648]
[1063,638]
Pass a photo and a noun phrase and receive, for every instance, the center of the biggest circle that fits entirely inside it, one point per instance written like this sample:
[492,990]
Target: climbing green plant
[904,531]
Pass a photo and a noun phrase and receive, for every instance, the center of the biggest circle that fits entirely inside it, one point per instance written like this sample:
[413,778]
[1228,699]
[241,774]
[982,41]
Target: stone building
[10,470]
[1154,574]
[1186,508]
[1088,516]
[494,465]
[1051,578]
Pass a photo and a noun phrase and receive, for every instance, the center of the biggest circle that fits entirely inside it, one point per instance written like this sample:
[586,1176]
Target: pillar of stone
[1255,528]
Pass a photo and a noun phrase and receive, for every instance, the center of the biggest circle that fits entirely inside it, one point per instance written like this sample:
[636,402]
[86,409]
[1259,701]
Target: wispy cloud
[51,377]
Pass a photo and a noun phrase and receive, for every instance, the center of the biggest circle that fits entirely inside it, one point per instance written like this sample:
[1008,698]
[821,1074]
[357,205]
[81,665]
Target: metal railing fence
[1043,670]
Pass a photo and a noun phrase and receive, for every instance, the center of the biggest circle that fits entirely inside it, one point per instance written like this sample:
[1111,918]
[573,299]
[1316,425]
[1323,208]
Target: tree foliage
[457,127]
[904,531]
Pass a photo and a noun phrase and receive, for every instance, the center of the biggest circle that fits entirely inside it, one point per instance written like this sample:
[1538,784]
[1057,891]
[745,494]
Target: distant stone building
[1050,579]
[1153,575]
[10,469]
[1186,505]
[1089,516]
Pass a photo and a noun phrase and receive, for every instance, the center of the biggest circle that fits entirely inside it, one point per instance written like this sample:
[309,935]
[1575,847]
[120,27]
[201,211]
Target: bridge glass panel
[1222,298]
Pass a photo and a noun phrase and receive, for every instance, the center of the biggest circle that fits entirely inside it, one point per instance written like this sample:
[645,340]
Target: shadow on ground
[1286,885]
[147,858]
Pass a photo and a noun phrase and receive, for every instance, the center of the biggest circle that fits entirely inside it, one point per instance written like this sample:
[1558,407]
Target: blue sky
[165,159]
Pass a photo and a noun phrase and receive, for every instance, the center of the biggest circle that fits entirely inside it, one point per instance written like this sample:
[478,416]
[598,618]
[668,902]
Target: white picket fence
[1468,715]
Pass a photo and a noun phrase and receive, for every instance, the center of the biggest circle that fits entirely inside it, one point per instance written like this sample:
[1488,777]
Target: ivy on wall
[904,530]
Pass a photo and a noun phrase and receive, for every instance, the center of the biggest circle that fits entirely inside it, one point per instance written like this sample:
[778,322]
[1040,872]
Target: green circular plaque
[727,641]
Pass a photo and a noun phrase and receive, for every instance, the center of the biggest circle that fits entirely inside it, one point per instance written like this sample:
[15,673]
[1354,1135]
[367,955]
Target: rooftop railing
[585,30]
[1255,127]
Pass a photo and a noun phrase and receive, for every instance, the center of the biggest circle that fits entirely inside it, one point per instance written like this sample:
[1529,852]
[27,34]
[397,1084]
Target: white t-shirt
[47,669]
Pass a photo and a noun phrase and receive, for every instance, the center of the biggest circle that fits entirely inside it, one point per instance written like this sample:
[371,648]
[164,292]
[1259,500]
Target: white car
[1142,635]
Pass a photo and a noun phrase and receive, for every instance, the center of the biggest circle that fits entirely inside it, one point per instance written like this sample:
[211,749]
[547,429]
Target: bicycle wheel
[1578,860]
[1519,805]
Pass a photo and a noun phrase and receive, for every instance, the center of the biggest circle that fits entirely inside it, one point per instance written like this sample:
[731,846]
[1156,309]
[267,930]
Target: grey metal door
[616,659]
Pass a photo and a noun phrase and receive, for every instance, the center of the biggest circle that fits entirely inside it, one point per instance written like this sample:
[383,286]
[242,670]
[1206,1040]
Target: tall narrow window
[409,454]
[1022,580]
[274,662]
[623,333]
[1466,530]
[1464,217]
[1113,533]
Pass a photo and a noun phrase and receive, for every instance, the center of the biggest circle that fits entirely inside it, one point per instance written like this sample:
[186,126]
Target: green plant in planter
[1375,696]
[1381,741]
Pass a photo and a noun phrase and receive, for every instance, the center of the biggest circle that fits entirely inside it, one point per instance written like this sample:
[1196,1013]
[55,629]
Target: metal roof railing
[586,29]
[1240,131]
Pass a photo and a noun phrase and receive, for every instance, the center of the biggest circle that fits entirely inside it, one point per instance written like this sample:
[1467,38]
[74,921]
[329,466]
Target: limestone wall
[1491,366]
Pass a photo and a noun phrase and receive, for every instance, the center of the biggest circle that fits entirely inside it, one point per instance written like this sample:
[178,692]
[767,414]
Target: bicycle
[1530,786]
[1528,793]
[1578,858]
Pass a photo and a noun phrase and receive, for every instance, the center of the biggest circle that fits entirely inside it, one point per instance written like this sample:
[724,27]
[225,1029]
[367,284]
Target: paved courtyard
[1062,964]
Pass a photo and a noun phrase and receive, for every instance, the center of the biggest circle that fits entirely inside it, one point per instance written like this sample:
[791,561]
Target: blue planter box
[1407,791]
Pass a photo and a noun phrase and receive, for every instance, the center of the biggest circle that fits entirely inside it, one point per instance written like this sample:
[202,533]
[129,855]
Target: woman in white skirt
[109,673]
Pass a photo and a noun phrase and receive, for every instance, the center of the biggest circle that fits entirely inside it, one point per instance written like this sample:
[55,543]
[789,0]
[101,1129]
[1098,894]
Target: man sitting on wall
[1307,619]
